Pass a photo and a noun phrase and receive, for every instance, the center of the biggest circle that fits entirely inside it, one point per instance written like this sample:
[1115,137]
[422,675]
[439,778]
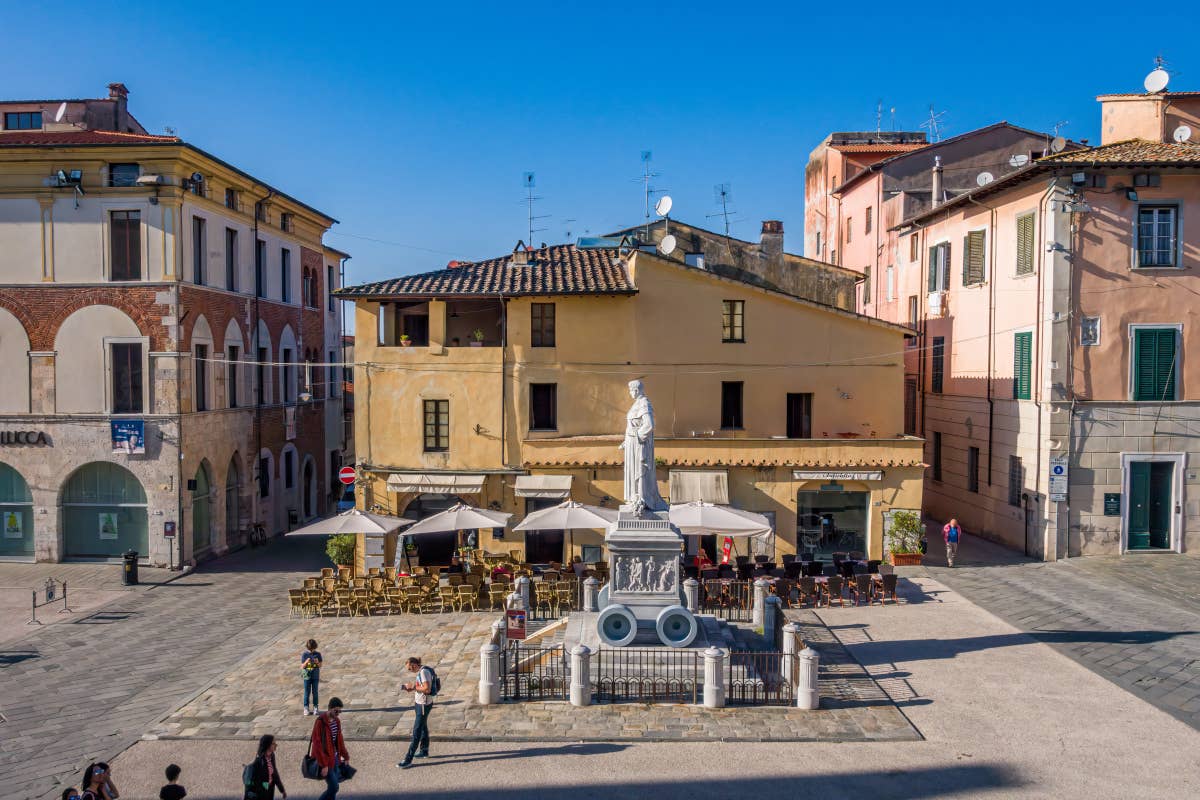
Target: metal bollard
[591,594]
[489,674]
[581,675]
[790,643]
[807,695]
[772,608]
[760,596]
[691,592]
[714,678]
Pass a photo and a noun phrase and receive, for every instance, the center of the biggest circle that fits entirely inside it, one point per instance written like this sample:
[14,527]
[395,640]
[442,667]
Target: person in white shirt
[422,703]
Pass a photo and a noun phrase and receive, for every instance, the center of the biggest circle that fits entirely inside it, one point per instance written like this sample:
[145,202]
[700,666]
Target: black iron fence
[760,678]
[534,672]
[647,675]
[727,599]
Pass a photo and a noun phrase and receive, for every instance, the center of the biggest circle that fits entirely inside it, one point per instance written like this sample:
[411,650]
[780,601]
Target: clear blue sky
[413,125]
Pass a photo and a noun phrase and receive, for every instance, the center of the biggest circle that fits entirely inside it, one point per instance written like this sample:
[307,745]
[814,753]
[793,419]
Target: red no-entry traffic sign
[346,475]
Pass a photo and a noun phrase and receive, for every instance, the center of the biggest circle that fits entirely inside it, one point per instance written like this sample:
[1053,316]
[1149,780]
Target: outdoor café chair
[788,558]
[782,588]
[814,569]
[311,583]
[887,586]
[329,584]
[464,595]
[808,556]
[389,574]
[297,603]
[544,596]
[833,589]
[327,572]
[793,569]
[551,575]
[342,601]
[860,568]
[444,597]
[412,599]
[373,572]
[454,580]
[745,572]
[344,574]
[830,570]
[806,590]
[860,588]
[565,594]
[497,594]
[856,555]
[873,565]
[761,559]
[360,601]
[885,569]
[709,574]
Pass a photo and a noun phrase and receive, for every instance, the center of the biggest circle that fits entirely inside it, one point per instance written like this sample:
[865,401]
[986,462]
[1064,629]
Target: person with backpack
[328,746]
[424,689]
[951,533]
[261,777]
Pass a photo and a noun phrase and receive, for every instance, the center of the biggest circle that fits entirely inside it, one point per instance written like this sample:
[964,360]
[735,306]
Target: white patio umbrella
[699,518]
[459,517]
[352,521]
[567,516]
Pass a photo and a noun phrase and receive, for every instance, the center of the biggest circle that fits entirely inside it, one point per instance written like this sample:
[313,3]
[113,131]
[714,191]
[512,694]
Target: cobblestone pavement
[88,688]
[1133,619]
[364,660]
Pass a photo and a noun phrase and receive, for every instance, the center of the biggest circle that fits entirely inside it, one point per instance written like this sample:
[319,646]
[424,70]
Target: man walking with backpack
[951,533]
[424,689]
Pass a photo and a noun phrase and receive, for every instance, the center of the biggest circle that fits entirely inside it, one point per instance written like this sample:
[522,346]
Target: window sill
[1173,268]
[733,341]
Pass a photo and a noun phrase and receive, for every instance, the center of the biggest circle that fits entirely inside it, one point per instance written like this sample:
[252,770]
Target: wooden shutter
[1154,364]
[937,372]
[1022,364]
[973,248]
[1025,244]
[946,265]
[933,269]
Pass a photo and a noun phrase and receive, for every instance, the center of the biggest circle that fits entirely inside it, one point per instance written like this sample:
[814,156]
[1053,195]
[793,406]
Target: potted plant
[405,340]
[477,337]
[340,549]
[904,539]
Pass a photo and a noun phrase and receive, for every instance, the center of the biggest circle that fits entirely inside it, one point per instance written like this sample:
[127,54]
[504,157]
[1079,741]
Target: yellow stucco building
[503,383]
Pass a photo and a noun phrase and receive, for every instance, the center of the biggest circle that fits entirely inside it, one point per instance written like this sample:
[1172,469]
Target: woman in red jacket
[329,748]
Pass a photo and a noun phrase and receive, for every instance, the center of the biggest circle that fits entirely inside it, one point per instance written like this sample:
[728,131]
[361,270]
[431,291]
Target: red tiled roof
[554,270]
[67,138]
[883,147]
[1130,151]
[1164,95]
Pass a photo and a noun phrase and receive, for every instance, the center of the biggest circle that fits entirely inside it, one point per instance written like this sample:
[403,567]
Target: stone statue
[636,575]
[622,573]
[641,483]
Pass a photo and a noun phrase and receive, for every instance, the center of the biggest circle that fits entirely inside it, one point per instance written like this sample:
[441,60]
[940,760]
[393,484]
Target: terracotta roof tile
[1130,151]
[879,148]
[67,138]
[554,270]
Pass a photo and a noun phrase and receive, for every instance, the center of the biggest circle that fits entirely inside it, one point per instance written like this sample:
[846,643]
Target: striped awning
[435,483]
[553,486]
[688,486]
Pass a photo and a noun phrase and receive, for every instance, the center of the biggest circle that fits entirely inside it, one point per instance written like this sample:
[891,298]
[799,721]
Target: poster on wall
[129,436]
[108,525]
[13,523]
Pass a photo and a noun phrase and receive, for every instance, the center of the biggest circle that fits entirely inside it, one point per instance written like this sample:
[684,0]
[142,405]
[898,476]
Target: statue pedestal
[643,554]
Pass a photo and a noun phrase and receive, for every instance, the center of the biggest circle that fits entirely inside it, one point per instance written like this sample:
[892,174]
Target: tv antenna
[723,196]
[647,189]
[1158,78]
[1060,124]
[528,180]
[879,116]
[934,124]
[568,222]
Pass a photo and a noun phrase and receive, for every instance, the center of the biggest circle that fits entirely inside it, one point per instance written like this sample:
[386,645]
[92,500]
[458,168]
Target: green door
[1150,504]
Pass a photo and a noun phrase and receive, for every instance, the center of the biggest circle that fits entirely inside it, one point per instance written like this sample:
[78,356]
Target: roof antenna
[723,196]
[879,116]
[647,190]
[934,124]
[529,181]
[567,233]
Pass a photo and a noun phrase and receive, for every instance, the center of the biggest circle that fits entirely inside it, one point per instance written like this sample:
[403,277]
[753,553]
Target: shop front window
[831,521]
[16,515]
[104,512]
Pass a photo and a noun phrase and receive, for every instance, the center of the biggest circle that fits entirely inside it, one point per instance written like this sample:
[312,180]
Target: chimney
[520,255]
[118,93]
[935,192]
[771,242]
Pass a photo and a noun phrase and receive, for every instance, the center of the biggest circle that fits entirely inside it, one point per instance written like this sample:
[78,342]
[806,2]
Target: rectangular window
[264,477]
[914,247]
[1022,365]
[799,415]
[910,406]
[1157,235]
[1025,244]
[308,289]
[891,284]
[936,372]
[289,479]
[231,199]
[285,222]
[199,250]
[849,228]
[260,268]
[201,370]
[285,275]
[1154,351]
[289,383]
[543,406]
[866,285]
[260,376]
[733,321]
[541,324]
[867,227]
[125,244]
[126,378]
[330,285]
[23,121]
[974,245]
[973,469]
[937,456]
[913,306]
[260,211]
[123,174]
[731,405]
[231,259]
[939,267]
[1016,480]
[437,426]
[331,369]
[1089,331]
[231,375]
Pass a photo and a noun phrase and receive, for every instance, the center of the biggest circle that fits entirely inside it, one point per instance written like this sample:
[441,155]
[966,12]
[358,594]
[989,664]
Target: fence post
[581,675]
[522,588]
[591,594]
[760,596]
[772,608]
[33,620]
[807,694]
[714,678]
[791,637]
[489,674]
[691,591]
[499,631]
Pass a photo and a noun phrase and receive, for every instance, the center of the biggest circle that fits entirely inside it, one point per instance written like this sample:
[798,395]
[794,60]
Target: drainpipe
[991,327]
[503,376]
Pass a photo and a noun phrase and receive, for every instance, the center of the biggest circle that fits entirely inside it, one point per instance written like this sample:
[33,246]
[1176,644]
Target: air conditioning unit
[937,304]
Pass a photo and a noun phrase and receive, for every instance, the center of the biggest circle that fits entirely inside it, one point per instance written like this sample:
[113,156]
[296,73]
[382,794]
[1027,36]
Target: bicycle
[258,535]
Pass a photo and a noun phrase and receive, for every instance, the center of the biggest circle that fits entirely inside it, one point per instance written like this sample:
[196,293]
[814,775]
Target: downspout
[503,377]
[991,328]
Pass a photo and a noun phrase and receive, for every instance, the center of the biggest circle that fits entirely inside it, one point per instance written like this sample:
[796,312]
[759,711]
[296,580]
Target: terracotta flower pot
[905,559]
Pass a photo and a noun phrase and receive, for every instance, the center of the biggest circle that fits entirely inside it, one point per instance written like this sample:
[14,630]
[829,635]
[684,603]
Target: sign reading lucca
[24,437]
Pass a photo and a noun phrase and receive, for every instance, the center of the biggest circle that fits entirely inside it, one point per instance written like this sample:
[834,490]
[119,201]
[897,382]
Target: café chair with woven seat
[544,597]
[887,586]
[443,597]
[296,602]
[412,599]
[327,572]
[860,588]
[497,594]
[806,590]
[329,584]
[344,574]
[833,590]
[312,583]
[342,601]
[360,601]
[389,574]
[564,595]
[464,595]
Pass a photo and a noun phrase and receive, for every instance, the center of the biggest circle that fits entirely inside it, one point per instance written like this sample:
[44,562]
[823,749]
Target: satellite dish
[1183,133]
[62,112]
[667,245]
[1018,160]
[1057,144]
[984,178]
[1157,80]
[663,206]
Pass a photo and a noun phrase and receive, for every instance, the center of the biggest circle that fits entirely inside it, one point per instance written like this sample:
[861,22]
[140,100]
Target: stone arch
[83,359]
[266,489]
[123,299]
[14,352]
[308,489]
[103,512]
[233,500]
[202,510]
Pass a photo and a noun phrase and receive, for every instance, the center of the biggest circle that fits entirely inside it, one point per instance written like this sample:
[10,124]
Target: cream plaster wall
[14,355]
[82,364]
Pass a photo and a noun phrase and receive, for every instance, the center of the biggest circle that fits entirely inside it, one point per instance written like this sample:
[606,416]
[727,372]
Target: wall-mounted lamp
[1131,195]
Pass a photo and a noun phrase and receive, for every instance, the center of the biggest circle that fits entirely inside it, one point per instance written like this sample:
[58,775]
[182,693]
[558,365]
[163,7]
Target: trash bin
[129,574]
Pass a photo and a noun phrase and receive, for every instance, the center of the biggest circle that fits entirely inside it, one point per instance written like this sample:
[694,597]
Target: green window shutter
[1025,244]
[1154,364]
[966,267]
[866,285]
[1022,364]
[946,267]
[937,370]
[973,249]
[933,269]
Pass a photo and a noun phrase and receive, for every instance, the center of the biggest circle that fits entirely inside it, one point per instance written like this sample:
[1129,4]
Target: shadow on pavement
[903,651]
[580,749]
[304,554]
[10,657]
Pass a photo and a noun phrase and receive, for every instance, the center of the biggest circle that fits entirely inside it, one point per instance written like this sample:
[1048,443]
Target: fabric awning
[554,486]
[433,483]
[688,486]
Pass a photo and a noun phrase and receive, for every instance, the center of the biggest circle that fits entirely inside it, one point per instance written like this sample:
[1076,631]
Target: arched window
[202,538]
[16,514]
[104,512]
[233,503]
